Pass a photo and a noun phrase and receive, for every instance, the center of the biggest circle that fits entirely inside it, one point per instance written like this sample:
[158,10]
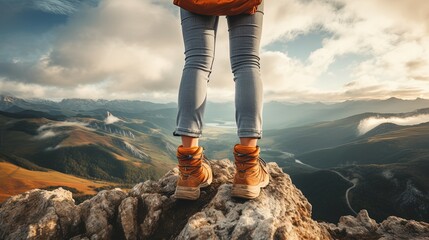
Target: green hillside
[315,136]
[402,145]
[389,164]
[87,147]
[322,135]
[400,189]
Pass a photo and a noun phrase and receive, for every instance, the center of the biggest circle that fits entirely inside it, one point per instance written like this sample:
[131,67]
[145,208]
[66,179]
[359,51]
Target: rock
[150,211]
[360,225]
[281,212]
[98,213]
[399,228]
[363,227]
[153,204]
[128,217]
[39,214]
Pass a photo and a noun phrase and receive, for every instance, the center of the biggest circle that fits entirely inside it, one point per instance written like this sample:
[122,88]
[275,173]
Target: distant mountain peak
[81,100]
[9,102]
[8,98]
[394,99]
[110,119]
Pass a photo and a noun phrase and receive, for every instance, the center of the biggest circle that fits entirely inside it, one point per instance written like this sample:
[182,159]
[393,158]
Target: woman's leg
[199,36]
[244,38]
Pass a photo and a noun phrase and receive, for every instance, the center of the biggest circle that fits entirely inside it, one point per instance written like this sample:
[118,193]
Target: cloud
[54,129]
[119,49]
[62,7]
[53,148]
[65,7]
[394,43]
[46,134]
[114,45]
[370,123]
[62,124]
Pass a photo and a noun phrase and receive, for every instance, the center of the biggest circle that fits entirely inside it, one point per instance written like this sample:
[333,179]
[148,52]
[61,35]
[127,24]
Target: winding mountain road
[354,182]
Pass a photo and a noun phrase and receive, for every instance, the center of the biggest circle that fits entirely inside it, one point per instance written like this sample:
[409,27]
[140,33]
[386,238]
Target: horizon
[216,102]
[328,51]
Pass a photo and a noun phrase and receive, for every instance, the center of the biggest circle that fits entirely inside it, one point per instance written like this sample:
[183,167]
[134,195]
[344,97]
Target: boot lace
[247,157]
[187,170]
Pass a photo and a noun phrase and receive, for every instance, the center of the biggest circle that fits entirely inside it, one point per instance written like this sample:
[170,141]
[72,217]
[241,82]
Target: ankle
[189,141]
[247,141]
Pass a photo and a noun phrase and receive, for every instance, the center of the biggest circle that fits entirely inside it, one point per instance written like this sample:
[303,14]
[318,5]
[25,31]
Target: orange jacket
[219,7]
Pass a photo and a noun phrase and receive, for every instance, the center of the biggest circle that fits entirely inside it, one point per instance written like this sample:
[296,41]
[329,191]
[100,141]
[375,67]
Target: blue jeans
[199,35]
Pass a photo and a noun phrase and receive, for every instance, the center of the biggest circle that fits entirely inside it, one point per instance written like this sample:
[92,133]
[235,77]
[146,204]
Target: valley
[342,157]
[93,150]
[386,167]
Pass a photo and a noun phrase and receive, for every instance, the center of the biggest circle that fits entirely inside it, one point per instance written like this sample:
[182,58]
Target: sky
[312,50]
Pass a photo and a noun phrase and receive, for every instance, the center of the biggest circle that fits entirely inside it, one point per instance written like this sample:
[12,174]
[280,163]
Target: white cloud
[287,19]
[52,129]
[395,60]
[370,123]
[119,49]
[56,6]
[46,134]
[53,148]
[62,124]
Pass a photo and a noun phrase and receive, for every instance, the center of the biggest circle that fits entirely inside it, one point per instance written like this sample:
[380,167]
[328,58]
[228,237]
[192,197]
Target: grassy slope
[15,180]
[402,145]
[302,139]
[85,152]
[81,151]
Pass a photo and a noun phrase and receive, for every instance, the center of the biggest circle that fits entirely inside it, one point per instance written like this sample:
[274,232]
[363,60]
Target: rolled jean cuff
[187,132]
[252,133]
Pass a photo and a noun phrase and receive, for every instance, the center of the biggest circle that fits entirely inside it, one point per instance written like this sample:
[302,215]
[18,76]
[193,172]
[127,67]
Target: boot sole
[192,193]
[248,191]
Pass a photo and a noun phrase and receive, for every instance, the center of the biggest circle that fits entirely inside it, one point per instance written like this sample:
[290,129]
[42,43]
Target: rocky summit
[150,211]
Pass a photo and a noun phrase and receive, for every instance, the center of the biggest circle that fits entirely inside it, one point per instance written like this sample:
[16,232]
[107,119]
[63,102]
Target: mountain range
[276,115]
[343,156]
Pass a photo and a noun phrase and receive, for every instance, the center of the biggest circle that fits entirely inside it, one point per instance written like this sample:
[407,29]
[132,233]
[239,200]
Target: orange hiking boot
[252,173]
[194,172]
